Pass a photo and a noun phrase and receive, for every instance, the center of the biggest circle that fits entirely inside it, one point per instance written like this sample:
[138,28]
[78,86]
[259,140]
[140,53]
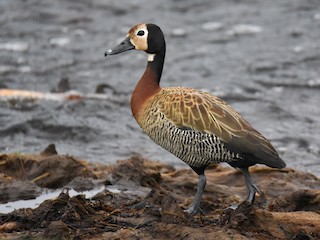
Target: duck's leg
[252,189]
[194,208]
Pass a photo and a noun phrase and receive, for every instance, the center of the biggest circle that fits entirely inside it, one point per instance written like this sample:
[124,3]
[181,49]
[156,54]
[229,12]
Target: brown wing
[200,111]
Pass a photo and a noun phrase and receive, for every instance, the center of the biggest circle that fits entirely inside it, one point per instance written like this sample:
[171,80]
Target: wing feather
[202,112]
[192,109]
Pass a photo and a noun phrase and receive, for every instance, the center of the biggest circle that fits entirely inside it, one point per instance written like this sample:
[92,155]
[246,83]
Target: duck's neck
[148,85]
[155,62]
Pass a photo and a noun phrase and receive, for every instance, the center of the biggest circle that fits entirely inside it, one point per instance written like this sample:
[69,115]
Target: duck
[195,126]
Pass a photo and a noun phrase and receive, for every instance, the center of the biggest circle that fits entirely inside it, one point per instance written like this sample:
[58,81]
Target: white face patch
[151,57]
[139,37]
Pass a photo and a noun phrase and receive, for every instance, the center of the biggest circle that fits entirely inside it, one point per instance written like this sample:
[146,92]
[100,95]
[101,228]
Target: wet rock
[296,32]
[57,230]
[133,171]
[314,82]
[274,224]
[212,26]
[104,87]
[301,200]
[24,69]
[54,171]
[13,190]
[49,150]
[59,41]
[81,184]
[8,227]
[298,49]
[79,32]
[263,66]
[7,69]
[63,86]
[220,39]
[51,171]
[244,29]
[316,16]
[131,191]
[179,32]
[291,224]
[14,46]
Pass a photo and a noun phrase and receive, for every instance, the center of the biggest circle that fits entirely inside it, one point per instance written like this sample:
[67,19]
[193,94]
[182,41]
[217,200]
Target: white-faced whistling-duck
[196,126]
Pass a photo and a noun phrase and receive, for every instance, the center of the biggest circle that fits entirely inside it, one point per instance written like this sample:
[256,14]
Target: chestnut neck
[148,85]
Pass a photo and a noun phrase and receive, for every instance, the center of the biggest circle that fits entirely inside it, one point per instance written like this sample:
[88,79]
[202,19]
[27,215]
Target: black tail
[273,161]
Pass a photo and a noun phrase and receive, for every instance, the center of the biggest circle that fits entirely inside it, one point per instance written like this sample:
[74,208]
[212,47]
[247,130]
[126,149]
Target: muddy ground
[144,199]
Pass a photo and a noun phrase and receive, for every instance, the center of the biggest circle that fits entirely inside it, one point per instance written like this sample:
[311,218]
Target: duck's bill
[125,45]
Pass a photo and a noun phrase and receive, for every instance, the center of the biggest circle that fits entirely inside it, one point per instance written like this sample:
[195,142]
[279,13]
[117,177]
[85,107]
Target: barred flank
[197,149]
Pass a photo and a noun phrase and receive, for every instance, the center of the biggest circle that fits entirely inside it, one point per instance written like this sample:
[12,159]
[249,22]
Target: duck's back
[201,129]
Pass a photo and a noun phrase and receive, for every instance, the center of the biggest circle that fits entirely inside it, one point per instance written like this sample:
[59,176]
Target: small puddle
[47,194]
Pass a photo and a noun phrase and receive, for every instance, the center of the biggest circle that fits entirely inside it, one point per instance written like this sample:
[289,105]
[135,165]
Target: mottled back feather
[203,112]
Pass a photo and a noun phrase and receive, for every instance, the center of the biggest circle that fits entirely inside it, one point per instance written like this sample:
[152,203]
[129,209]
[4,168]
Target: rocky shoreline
[144,199]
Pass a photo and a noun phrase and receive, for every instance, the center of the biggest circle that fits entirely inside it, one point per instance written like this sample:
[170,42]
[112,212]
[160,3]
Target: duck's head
[147,37]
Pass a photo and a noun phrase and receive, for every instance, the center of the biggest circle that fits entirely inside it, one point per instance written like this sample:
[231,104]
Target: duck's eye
[140,33]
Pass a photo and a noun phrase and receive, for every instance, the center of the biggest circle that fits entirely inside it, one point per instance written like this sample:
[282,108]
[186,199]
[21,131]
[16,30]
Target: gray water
[45,195]
[263,57]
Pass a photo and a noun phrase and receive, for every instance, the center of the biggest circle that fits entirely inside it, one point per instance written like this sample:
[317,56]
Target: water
[269,70]
[47,194]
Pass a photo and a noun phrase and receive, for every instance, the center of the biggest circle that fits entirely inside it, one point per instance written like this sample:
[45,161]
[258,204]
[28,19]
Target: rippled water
[263,57]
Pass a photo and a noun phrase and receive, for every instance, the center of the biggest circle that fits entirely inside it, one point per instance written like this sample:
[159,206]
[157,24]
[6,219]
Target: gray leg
[195,205]
[252,189]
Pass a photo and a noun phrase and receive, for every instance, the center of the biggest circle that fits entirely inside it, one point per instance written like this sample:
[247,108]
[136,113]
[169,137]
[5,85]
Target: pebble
[263,66]
[6,69]
[298,49]
[79,32]
[314,82]
[244,29]
[179,32]
[60,41]
[296,32]
[314,149]
[278,89]
[212,26]
[64,29]
[14,46]
[24,69]
[21,60]
[317,16]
